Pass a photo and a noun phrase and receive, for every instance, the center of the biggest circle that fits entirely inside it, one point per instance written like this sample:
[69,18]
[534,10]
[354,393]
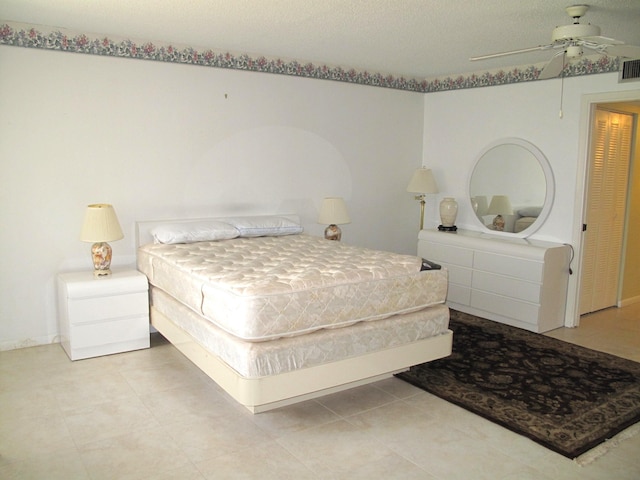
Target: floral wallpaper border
[22,35]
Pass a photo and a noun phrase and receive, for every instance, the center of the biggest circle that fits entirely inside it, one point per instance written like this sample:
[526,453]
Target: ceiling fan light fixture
[574,52]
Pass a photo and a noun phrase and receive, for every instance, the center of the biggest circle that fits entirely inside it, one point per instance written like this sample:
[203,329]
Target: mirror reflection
[509,187]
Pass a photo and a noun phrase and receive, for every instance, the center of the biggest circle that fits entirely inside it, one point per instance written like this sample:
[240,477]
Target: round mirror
[511,188]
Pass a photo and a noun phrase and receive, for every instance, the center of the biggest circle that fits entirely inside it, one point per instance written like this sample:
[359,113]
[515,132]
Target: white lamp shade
[500,205]
[100,224]
[333,212]
[422,181]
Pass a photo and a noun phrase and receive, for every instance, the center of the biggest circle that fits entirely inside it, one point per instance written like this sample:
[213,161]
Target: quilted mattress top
[268,287]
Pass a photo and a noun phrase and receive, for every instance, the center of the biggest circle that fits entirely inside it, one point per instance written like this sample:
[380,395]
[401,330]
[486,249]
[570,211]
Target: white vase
[448,211]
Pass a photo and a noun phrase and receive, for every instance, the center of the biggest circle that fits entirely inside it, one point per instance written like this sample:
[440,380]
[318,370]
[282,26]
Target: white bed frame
[266,393]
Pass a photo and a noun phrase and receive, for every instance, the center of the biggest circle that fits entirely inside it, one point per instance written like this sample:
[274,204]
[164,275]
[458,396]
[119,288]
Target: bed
[525,217]
[275,316]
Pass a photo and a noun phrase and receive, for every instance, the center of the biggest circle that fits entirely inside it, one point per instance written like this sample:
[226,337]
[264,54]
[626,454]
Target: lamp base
[498,223]
[452,228]
[101,256]
[333,232]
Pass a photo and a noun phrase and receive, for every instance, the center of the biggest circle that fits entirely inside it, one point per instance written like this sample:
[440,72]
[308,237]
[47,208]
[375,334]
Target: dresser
[518,282]
[103,315]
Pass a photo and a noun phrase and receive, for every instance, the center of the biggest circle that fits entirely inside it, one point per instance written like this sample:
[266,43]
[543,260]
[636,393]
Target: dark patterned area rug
[565,397]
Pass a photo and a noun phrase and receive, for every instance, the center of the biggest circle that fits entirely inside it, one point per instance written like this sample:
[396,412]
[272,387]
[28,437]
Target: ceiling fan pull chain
[562,84]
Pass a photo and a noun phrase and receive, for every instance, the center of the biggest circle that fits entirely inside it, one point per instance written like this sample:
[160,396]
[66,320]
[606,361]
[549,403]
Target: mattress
[264,288]
[259,359]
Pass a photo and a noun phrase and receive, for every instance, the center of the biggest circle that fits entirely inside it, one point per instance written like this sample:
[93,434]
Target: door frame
[588,105]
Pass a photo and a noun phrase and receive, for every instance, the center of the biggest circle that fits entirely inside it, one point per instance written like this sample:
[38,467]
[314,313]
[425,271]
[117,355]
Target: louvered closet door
[607,196]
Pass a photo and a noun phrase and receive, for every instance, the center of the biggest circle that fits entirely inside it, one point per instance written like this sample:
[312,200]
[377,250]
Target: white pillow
[530,211]
[262,226]
[191,232]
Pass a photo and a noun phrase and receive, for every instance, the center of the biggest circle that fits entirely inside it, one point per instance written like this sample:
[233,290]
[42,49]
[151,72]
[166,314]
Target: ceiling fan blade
[629,51]
[554,67]
[512,52]
[600,40]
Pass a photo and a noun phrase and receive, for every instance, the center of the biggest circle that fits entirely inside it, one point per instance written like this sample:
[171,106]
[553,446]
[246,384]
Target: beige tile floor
[613,330]
[150,414]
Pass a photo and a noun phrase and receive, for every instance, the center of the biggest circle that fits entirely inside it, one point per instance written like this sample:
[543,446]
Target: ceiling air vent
[630,71]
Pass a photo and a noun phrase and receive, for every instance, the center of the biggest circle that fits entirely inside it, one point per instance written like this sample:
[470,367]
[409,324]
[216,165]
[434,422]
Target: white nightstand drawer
[78,285]
[89,310]
[111,332]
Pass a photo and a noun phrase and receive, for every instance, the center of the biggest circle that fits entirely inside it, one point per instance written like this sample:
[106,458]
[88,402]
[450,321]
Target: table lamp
[422,182]
[499,206]
[334,212]
[101,226]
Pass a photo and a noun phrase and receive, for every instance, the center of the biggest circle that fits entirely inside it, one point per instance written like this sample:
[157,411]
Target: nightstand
[103,315]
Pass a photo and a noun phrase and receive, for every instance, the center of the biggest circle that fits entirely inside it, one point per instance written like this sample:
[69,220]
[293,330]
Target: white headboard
[144,227]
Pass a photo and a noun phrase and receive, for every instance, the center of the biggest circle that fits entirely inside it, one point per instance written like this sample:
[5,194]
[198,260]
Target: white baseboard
[29,342]
[628,301]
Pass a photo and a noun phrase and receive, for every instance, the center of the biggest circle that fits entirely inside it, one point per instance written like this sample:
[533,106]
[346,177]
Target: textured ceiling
[410,38]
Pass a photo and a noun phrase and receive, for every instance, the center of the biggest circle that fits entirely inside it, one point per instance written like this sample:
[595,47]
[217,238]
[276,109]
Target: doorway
[607,198]
[606,262]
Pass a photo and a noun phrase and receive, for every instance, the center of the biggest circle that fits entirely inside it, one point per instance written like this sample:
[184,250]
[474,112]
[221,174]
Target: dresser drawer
[459,294]
[506,265]
[505,306]
[507,286]
[88,310]
[459,275]
[440,253]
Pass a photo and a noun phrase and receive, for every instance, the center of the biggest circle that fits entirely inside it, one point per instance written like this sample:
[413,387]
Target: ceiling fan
[572,39]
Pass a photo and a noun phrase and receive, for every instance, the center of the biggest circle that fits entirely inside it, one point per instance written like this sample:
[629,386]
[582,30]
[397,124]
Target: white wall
[162,141]
[459,124]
